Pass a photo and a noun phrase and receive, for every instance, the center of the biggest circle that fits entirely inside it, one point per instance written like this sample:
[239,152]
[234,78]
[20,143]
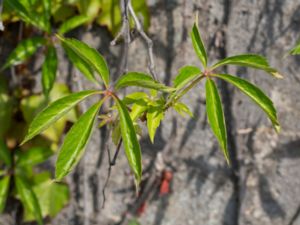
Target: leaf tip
[277,75]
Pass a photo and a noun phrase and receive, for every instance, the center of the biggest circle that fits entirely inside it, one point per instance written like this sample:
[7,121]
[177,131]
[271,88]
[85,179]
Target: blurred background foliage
[25,171]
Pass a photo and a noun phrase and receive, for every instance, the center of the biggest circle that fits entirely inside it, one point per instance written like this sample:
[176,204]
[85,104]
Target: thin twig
[125,33]
[112,162]
[148,41]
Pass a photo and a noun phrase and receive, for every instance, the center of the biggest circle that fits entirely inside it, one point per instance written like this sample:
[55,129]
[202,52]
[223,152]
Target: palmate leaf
[49,70]
[28,198]
[255,94]
[75,142]
[90,55]
[4,189]
[140,80]
[72,23]
[130,141]
[249,60]
[215,116]
[55,111]
[186,74]
[23,51]
[198,43]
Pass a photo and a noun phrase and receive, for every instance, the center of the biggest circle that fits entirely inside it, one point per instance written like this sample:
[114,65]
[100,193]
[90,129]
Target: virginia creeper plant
[126,113]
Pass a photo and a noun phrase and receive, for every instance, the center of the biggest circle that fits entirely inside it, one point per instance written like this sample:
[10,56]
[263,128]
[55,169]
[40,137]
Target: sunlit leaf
[154,117]
[75,142]
[55,111]
[249,60]
[90,55]
[23,51]
[72,23]
[215,115]
[140,80]
[182,109]
[256,95]
[49,70]
[198,44]
[28,198]
[81,64]
[4,189]
[130,141]
[186,74]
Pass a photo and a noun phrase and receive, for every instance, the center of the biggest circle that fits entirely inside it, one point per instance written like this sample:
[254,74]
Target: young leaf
[33,156]
[72,23]
[55,111]
[154,117]
[90,56]
[23,51]
[75,142]
[4,188]
[182,109]
[140,80]
[81,64]
[215,115]
[28,198]
[198,44]
[186,74]
[255,94]
[49,70]
[5,155]
[249,60]
[130,141]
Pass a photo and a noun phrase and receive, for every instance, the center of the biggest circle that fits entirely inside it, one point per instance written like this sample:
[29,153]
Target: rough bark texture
[263,185]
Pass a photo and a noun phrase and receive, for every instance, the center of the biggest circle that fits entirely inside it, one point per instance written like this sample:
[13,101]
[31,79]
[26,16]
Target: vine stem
[175,98]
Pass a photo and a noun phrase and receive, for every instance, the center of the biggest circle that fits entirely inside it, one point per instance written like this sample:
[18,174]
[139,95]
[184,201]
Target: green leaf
[5,154]
[49,70]
[90,56]
[182,109]
[75,142]
[52,198]
[296,49]
[255,94]
[186,74]
[130,141]
[140,80]
[198,44]
[154,117]
[47,14]
[215,115]
[72,23]
[23,51]
[4,189]
[81,64]
[249,60]
[33,156]
[55,111]
[28,198]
